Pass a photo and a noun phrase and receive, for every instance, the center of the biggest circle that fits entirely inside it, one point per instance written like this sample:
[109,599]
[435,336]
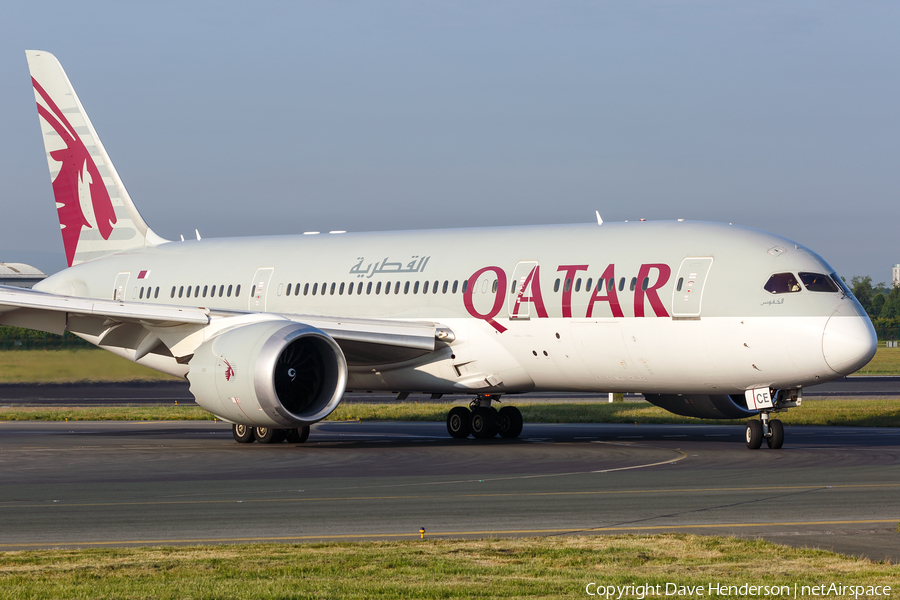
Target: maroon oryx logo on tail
[78,176]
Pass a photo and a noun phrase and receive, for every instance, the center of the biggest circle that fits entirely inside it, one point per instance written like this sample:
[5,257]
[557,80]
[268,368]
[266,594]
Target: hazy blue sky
[256,118]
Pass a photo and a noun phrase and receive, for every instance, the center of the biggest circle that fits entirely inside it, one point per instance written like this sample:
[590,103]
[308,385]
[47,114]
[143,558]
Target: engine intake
[270,374]
[703,406]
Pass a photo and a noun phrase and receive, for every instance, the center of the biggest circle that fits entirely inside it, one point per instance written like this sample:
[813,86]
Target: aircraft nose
[849,341]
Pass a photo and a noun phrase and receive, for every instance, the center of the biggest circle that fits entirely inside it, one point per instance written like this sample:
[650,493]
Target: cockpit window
[817,282]
[782,283]
[840,283]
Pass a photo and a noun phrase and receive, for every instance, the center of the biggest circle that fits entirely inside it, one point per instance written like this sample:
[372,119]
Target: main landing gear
[483,421]
[245,434]
[772,430]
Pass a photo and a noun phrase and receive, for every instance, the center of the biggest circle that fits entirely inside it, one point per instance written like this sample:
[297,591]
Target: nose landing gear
[772,430]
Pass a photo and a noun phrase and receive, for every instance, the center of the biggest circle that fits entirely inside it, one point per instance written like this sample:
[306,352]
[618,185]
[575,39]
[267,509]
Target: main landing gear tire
[243,434]
[459,422]
[510,422]
[484,422]
[776,440]
[266,435]
[297,435]
[754,434]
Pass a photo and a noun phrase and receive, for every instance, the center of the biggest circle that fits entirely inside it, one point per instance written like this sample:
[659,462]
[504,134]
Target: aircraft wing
[147,327]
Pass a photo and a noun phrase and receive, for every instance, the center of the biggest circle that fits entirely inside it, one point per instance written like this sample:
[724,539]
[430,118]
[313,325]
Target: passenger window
[180,291]
[229,291]
[454,286]
[633,283]
[568,284]
[621,284]
[359,289]
[587,286]
[387,288]
[556,285]
[205,290]
[341,291]
[141,294]
[173,291]
[578,284]
[332,289]
[512,288]
[465,286]
[425,288]
[189,292]
[237,291]
[369,288]
[315,288]
[288,291]
[680,283]
[611,285]
[444,289]
[197,291]
[156,293]
[782,283]
[645,283]
[816,282]
[493,287]
[378,288]
[324,288]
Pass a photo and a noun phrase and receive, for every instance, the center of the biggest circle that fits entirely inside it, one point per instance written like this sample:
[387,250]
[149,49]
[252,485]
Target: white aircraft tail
[96,214]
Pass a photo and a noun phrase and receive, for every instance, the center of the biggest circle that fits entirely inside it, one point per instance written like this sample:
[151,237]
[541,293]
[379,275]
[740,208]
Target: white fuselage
[687,312]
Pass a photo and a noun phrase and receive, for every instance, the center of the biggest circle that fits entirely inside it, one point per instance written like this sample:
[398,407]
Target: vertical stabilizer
[96,214]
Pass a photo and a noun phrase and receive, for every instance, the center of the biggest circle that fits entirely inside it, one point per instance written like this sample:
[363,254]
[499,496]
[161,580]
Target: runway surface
[140,393]
[137,483]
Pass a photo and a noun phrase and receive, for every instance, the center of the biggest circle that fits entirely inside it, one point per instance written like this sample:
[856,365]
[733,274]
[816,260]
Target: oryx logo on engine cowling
[229,371]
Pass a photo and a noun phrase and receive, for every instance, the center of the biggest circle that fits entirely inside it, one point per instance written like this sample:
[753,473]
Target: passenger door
[260,289]
[687,296]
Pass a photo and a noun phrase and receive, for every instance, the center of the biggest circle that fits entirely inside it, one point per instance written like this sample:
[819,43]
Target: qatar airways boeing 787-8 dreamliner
[706,320]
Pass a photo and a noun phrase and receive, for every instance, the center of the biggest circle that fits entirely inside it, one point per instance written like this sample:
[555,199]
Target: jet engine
[703,406]
[269,374]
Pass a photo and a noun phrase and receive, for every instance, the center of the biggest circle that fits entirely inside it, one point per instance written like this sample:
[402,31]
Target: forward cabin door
[260,289]
[687,296]
[519,302]
[121,284]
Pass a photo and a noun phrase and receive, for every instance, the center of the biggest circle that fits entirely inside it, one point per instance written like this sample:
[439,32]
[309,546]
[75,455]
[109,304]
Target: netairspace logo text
[746,590]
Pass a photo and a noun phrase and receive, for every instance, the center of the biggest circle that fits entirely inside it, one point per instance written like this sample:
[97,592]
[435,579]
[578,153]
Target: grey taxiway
[139,483]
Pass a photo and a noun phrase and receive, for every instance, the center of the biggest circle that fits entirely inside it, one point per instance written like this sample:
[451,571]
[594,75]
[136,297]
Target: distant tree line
[19,338]
[881,303]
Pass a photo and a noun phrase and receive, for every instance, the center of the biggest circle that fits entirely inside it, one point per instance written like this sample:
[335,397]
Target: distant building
[895,276]
[19,275]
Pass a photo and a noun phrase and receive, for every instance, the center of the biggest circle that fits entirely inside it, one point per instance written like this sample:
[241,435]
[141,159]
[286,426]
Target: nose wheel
[765,429]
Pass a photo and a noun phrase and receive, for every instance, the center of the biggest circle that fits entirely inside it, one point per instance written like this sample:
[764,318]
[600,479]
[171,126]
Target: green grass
[556,567]
[885,362]
[859,413]
[67,366]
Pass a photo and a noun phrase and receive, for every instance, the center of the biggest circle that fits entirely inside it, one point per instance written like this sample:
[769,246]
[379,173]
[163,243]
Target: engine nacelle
[271,374]
[703,406]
